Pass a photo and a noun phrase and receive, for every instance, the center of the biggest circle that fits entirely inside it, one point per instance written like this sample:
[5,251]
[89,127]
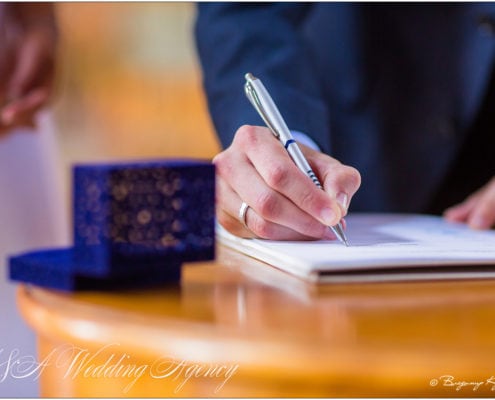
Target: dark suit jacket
[390,89]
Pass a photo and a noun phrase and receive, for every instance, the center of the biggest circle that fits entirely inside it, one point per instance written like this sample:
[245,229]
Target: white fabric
[32,215]
[305,139]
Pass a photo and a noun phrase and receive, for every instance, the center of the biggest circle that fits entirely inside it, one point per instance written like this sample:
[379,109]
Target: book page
[377,241]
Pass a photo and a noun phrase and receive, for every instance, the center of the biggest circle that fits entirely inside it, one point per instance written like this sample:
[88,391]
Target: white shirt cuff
[305,139]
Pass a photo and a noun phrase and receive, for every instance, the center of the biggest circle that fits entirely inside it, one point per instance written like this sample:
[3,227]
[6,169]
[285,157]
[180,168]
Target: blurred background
[129,84]
[128,87]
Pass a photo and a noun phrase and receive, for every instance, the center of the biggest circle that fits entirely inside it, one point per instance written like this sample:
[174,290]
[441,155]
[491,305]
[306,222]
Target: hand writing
[284,203]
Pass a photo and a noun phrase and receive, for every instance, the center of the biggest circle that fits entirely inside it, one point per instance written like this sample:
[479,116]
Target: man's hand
[284,204]
[478,210]
[27,62]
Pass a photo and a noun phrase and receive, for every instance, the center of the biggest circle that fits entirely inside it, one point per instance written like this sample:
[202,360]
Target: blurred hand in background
[28,38]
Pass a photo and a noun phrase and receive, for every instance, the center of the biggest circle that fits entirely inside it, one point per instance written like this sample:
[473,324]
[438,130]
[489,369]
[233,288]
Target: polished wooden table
[236,327]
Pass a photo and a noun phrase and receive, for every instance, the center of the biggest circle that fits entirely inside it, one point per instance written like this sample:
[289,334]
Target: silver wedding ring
[242,214]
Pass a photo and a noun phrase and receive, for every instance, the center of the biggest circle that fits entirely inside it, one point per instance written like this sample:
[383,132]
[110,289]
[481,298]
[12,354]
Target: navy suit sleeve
[266,40]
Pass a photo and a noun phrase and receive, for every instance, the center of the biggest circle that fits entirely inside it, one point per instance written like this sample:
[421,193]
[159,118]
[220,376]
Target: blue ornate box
[55,269]
[134,224]
[128,213]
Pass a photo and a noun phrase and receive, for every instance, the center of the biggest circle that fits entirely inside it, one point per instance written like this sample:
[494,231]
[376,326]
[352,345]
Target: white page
[377,241]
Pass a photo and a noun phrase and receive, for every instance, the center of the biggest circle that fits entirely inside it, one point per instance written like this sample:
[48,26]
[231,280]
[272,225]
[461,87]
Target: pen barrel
[301,162]
[262,101]
[269,111]
[276,120]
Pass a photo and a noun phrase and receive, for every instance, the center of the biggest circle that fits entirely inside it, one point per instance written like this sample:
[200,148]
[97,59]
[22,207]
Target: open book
[383,247]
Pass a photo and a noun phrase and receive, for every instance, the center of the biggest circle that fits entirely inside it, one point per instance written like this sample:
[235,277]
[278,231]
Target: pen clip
[255,101]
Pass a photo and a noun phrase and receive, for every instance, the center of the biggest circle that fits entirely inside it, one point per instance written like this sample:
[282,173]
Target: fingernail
[344,224]
[478,222]
[327,216]
[343,200]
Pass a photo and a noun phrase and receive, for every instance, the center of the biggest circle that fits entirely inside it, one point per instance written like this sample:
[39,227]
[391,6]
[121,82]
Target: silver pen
[263,103]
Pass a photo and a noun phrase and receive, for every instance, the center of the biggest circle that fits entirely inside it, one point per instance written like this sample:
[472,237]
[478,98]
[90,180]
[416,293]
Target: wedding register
[382,247]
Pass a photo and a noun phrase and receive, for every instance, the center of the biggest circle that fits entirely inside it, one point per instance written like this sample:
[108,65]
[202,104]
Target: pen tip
[339,232]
